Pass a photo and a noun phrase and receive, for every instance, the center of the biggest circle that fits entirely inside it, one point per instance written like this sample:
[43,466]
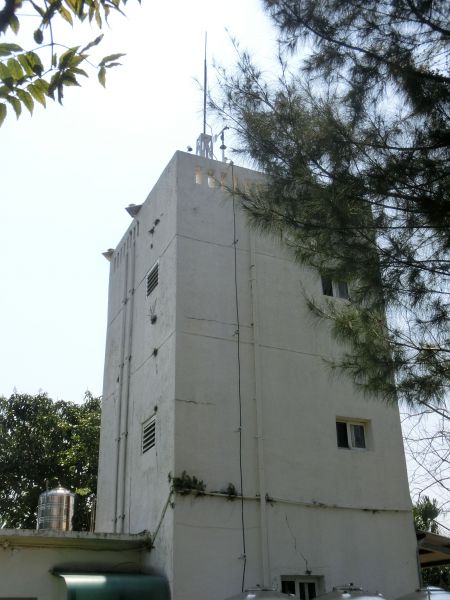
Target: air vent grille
[152,279]
[148,434]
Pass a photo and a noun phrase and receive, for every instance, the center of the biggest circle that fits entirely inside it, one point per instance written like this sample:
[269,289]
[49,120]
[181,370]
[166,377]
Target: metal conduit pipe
[119,408]
[127,387]
[259,414]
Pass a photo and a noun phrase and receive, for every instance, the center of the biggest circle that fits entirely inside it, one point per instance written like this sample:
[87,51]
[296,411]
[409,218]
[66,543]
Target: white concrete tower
[214,367]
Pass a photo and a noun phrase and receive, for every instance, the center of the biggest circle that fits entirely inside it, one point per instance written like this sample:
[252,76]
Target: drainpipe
[119,408]
[127,387]
[259,415]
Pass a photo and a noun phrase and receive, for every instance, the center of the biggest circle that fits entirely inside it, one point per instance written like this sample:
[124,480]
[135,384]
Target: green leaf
[93,43]
[14,69]
[66,15]
[42,85]
[14,23]
[4,91]
[80,72]
[54,83]
[38,36]
[98,18]
[37,8]
[7,49]
[76,60]
[110,58]
[27,99]
[2,113]
[113,64]
[66,57]
[4,72]
[37,93]
[35,63]
[69,79]
[102,76]
[77,7]
[15,104]
[25,64]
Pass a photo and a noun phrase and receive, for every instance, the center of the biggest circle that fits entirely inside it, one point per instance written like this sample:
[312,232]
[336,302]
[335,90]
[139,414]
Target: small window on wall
[148,434]
[335,289]
[351,434]
[152,279]
[303,588]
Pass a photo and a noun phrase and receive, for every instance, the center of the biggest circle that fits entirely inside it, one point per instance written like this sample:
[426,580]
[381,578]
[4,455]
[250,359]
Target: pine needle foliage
[425,513]
[354,138]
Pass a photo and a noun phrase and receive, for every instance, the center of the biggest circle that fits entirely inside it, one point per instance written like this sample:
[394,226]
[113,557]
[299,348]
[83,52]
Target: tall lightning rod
[204,145]
[205,83]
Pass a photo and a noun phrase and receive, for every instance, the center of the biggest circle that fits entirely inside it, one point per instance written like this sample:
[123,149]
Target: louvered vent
[148,434]
[152,279]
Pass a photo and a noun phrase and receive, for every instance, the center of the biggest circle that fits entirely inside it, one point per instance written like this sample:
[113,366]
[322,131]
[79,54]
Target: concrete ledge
[10,538]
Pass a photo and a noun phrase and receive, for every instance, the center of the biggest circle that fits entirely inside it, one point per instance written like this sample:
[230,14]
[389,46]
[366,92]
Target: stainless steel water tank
[55,509]
[427,593]
[259,593]
[351,592]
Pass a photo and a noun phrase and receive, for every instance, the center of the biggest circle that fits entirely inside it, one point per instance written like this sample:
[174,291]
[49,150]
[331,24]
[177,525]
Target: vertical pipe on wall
[126,400]
[120,386]
[259,415]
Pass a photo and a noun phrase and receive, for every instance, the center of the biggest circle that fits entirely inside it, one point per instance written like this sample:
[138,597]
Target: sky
[67,173]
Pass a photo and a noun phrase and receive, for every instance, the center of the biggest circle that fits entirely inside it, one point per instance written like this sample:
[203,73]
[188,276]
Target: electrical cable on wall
[238,331]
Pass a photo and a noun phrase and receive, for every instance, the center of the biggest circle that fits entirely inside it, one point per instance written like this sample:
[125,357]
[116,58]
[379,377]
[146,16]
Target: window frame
[351,424]
[333,289]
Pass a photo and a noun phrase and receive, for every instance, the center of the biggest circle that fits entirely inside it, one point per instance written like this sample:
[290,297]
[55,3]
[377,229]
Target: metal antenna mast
[205,84]
[204,145]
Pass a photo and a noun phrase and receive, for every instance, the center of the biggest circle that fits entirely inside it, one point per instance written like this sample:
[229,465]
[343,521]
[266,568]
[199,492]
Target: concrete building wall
[139,380]
[341,514]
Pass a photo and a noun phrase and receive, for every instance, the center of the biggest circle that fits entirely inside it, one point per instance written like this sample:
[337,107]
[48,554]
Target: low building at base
[39,565]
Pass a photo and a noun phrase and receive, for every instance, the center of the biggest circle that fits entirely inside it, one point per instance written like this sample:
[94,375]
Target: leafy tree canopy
[47,67]
[45,443]
[354,137]
[425,512]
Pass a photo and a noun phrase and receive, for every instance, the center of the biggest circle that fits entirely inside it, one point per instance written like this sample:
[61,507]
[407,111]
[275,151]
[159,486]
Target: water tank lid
[59,491]
[345,592]
[256,593]
[427,593]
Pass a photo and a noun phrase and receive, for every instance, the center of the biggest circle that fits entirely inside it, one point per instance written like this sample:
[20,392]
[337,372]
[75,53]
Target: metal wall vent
[152,279]
[148,434]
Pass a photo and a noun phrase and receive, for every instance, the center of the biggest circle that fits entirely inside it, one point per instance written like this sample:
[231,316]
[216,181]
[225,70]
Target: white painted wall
[363,530]
[151,381]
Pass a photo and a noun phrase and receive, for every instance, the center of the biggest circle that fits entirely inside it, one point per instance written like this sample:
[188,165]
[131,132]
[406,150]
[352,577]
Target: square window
[335,289]
[351,434]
